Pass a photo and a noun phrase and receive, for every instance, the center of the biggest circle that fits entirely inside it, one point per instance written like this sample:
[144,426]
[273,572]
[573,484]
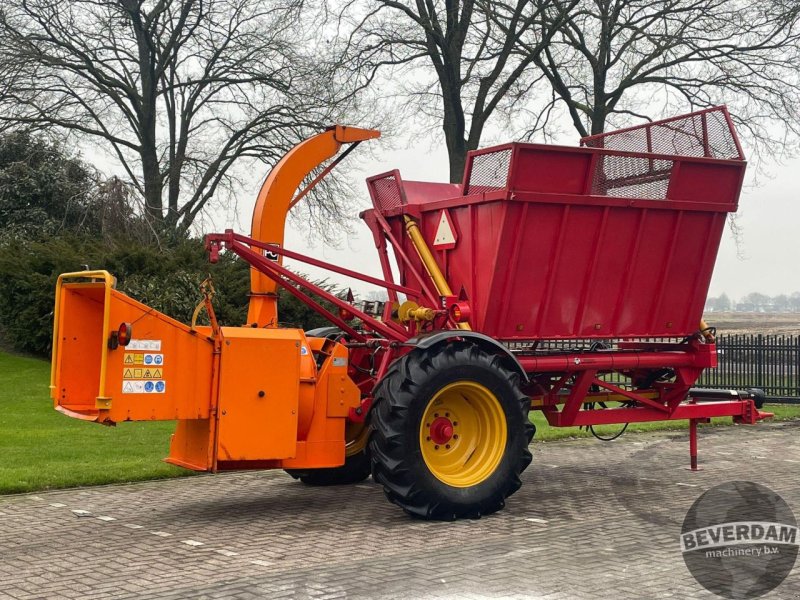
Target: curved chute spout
[275,200]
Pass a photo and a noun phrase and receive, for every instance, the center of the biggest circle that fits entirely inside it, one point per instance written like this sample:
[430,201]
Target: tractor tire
[356,468]
[450,433]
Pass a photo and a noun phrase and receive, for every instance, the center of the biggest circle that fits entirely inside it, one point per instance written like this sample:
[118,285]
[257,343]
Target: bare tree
[458,60]
[613,60]
[177,90]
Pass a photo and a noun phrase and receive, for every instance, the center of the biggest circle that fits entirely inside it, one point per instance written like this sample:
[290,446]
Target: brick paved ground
[592,520]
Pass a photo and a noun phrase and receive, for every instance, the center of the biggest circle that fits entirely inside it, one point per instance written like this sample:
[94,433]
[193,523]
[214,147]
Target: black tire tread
[390,448]
[355,469]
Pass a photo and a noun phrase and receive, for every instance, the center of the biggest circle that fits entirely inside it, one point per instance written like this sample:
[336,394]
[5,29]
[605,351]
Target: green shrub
[167,279]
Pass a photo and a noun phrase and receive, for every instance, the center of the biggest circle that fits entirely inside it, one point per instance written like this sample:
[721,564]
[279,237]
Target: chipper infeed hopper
[569,280]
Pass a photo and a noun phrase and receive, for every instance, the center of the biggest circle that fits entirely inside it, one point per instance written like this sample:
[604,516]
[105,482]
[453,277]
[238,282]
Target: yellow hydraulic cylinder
[705,330]
[429,262]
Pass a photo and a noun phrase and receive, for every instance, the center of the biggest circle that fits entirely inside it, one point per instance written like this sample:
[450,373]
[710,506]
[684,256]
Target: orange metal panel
[320,454]
[342,394]
[258,394]
[323,445]
[80,346]
[191,444]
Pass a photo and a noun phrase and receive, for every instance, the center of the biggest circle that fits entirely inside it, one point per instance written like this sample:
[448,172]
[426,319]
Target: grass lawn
[43,449]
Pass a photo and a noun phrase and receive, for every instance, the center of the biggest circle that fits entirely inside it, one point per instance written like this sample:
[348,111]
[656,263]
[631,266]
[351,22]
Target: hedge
[167,279]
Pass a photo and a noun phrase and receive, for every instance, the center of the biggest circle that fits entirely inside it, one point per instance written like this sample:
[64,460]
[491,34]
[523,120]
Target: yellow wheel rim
[463,434]
[356,436]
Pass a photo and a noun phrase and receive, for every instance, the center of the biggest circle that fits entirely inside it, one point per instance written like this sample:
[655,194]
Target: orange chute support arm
[275,200]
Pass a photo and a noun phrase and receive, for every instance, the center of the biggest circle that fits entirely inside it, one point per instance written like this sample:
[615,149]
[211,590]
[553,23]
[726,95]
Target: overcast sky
[769,218]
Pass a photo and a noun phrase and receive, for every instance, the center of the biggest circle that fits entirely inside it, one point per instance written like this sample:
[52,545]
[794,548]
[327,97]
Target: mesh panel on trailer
[720,138]
[631,177]
[703,134]
[489,171]
[386,193]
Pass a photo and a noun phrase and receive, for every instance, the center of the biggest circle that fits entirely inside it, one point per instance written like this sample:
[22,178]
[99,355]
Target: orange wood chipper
[569,280]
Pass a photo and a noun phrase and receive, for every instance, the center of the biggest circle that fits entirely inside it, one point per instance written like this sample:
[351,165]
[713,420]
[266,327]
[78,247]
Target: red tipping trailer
[569,280]
[617,238]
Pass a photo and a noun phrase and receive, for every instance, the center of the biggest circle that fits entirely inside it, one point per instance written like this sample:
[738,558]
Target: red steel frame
[294,284]
[566,379]
[562,379]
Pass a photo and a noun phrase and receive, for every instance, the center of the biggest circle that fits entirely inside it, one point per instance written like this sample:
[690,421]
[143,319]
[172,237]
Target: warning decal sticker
[445,237]
[154,345]
[154,359]
[143,387]
[271,254]
[143,372]
[144,359]
[139,373]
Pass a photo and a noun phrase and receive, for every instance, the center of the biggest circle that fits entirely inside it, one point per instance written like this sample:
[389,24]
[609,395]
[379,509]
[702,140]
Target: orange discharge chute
[275,200]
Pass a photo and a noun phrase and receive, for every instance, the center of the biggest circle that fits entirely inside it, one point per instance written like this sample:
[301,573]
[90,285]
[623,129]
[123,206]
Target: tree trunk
[457,154]
[454,130]
[599,116]
[147,109]
[152,184]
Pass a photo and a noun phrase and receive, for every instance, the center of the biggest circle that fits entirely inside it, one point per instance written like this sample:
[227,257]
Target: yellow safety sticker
[151,360]
[139,373]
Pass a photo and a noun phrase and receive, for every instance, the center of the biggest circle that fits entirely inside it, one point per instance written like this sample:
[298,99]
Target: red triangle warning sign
[446,236]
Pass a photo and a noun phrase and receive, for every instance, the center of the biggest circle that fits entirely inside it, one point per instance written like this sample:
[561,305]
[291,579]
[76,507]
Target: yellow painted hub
[463,434]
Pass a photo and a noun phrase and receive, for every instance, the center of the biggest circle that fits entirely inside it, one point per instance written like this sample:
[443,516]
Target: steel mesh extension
[701,134]
[631,177]
[386,193]
[489,171]
[720,138]
[704,134]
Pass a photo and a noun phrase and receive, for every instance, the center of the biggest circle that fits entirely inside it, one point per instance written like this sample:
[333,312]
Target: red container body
[550,242]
